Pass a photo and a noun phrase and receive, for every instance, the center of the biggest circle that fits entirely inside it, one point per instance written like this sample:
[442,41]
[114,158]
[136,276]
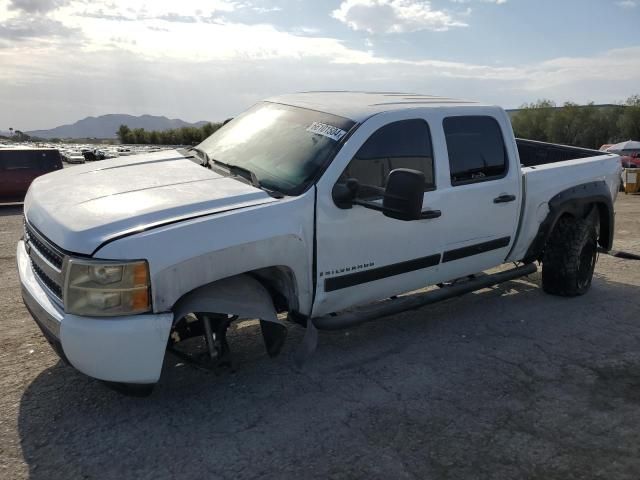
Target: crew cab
[313,209]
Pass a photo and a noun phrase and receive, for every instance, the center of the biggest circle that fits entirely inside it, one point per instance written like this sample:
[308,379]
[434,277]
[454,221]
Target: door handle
[504,199]
[430,214]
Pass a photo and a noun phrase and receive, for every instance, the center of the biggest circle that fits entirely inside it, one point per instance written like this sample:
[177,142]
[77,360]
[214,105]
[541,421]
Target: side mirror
[344,194]
[404,195]
[401,200]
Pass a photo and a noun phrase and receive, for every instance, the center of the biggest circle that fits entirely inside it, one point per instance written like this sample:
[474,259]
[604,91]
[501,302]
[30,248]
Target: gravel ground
[504,383]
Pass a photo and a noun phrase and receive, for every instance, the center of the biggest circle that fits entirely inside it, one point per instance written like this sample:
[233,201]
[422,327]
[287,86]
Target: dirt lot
[501,384]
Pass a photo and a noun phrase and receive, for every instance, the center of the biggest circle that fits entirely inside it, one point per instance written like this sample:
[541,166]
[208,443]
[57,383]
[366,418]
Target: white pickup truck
[306,205]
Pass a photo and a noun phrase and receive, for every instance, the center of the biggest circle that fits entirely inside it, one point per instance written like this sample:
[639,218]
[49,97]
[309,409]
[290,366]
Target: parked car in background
[124,151]
[73,156]
[629,156]
[91,155]
[20,166]
[629,153]
[631,161]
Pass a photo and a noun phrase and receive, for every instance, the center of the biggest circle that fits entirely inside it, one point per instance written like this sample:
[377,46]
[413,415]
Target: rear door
[483,195]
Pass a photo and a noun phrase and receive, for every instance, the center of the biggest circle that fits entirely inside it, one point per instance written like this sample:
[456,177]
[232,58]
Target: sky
[63,60]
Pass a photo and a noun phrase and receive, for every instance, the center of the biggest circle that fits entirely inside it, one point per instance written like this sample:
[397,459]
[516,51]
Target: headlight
[104,288]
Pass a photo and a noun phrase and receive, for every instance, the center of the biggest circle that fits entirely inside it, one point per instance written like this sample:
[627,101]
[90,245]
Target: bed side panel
[544,182]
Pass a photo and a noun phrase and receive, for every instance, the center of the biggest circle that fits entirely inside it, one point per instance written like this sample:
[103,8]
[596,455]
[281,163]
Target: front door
[363,256]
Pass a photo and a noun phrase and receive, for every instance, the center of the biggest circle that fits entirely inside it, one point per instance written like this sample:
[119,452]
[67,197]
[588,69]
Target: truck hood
[80,208]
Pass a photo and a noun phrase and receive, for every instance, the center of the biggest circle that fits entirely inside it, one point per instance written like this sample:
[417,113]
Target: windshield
[285,147]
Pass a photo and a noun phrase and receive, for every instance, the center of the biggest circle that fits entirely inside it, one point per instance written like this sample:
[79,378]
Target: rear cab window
[401,144]
[40,160]
[477,152]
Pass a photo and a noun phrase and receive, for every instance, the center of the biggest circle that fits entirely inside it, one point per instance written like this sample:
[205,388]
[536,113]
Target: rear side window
[50,160]
[29,160]
[404,144]
[19,160]
[476,149]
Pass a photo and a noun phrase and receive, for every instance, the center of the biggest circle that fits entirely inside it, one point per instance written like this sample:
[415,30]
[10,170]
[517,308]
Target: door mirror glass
[404,194]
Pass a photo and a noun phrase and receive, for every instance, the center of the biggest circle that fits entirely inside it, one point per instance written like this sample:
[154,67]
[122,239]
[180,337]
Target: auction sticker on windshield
[334,133]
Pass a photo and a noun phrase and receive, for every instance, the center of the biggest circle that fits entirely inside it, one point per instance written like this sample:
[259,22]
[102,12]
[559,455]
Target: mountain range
[105,126]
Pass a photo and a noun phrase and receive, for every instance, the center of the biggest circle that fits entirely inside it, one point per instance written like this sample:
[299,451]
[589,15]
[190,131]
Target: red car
[632,160]
[19,166]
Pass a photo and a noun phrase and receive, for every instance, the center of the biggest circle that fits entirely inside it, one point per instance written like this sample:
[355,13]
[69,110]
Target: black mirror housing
[344,194]
[404,194]
[402,198]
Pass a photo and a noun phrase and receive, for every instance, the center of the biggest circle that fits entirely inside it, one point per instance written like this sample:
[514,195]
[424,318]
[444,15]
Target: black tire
[570,258]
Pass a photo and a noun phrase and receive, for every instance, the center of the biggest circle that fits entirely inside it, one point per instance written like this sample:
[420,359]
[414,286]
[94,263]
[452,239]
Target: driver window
[403,144]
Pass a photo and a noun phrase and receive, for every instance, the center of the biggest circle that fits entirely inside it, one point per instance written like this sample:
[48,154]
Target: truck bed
[548,169]
[533,153]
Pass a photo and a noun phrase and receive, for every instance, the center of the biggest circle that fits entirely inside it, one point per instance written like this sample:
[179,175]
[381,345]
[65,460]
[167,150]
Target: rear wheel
[570,258]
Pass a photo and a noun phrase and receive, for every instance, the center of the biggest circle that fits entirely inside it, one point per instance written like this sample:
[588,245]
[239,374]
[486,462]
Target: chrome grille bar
[46,248]
[53,287]
[47,261]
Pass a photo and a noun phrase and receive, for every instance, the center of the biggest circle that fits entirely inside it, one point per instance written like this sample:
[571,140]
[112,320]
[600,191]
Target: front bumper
[128,349]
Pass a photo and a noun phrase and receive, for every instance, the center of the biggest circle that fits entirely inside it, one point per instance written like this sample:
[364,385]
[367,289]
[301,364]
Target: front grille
[47,261]
[45,248]
[49,282]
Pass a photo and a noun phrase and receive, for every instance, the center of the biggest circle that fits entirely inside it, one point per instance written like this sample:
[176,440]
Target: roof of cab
[359,106]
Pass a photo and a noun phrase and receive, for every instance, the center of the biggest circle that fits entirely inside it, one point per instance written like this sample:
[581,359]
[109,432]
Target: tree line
[587,126]
[176,136]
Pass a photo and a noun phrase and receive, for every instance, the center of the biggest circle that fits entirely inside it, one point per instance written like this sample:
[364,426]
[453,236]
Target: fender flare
[240,295]
[579,202]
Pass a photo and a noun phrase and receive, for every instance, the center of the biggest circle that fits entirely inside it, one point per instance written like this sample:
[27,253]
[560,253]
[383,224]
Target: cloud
[560,72]
[43,87]
[23,28]
[36,6]
[393,16]
[187,60]
[186,10]
[497,2]
[628,3]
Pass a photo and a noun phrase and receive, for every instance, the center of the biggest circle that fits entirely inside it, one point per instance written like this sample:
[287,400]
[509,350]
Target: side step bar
[412,302]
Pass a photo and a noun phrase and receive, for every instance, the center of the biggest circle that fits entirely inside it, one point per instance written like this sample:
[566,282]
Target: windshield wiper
[247,175]
[202,153]
[239,171]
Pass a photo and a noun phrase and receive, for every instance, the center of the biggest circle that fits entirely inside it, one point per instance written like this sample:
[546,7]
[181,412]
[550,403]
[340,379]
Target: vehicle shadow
[423,392]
